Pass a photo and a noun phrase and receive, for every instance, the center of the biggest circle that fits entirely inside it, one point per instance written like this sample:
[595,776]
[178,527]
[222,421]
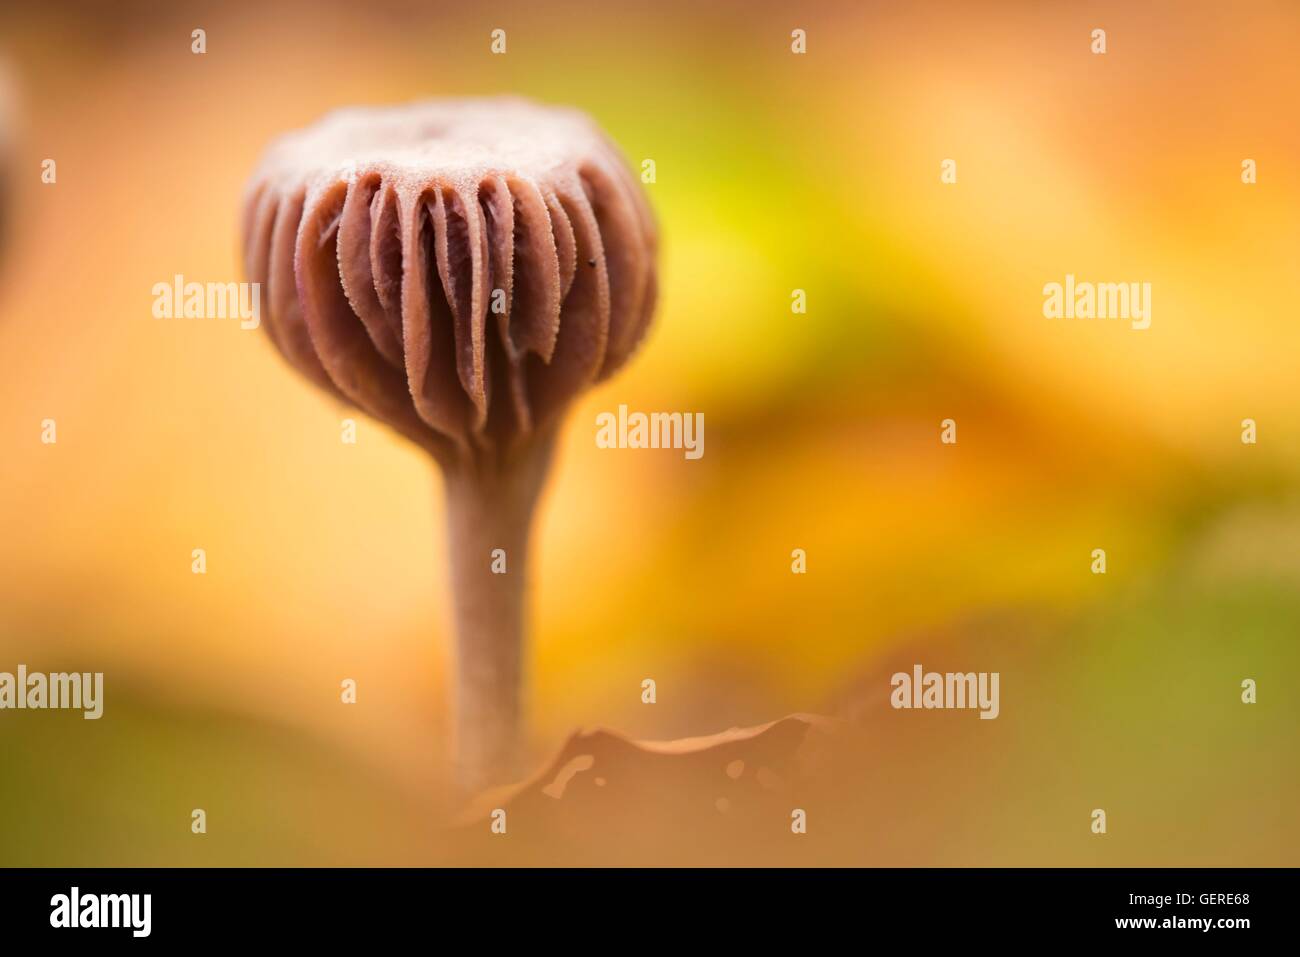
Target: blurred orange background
[775,172]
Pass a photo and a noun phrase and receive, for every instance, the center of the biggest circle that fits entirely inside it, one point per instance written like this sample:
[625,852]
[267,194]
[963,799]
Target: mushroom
[460,270]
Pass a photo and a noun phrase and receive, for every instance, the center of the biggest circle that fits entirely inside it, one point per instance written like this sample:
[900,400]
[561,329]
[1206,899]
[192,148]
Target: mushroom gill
[460,270]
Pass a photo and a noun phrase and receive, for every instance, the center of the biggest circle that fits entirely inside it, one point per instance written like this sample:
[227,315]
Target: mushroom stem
[490,507]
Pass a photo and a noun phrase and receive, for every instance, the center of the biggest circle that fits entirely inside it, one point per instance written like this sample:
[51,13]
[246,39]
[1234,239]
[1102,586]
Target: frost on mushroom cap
[460,269]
